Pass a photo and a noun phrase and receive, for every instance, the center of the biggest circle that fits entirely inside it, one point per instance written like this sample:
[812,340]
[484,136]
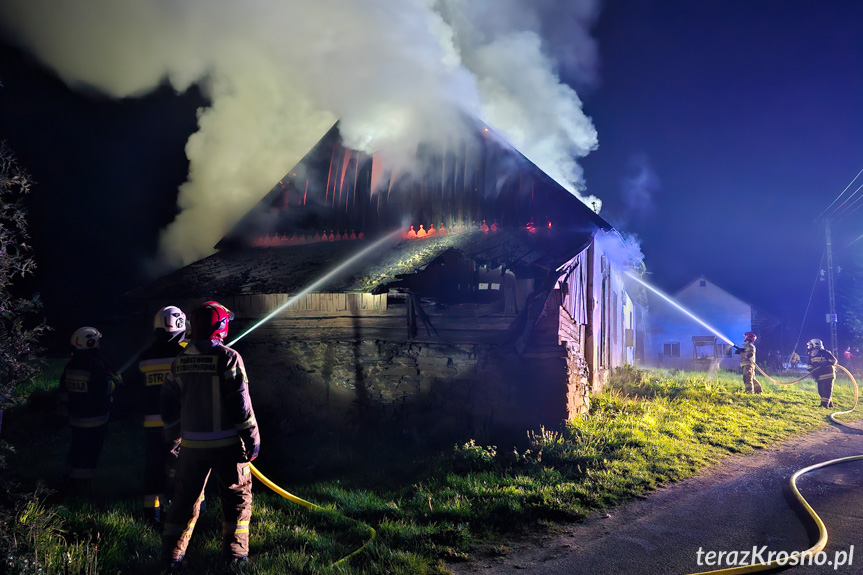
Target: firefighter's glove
[737,349]
[171,433]
[251,442]
[117,378]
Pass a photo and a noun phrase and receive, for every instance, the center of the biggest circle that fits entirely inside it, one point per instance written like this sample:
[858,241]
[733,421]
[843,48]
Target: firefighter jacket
[86,389]
[747,354]
[822,365]
[154,366]
[205,399]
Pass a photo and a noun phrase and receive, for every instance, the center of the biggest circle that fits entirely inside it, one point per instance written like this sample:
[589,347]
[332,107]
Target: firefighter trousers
[160,458]
[825,389]
[84,451]
[234,482]
[750,384]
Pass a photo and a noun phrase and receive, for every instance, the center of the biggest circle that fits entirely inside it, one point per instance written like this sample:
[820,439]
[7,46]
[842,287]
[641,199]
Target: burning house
[464,298]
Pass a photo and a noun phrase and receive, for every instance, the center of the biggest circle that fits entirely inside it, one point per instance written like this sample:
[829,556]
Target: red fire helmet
[750,336]
[210,321]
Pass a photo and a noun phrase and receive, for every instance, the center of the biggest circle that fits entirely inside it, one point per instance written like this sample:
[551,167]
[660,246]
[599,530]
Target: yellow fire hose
[822,529]
[300,501]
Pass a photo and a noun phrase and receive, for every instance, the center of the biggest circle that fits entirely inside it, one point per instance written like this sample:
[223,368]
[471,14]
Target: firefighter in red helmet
[86,391]
[154,364]
[205,402]
[822,368]
[747,362]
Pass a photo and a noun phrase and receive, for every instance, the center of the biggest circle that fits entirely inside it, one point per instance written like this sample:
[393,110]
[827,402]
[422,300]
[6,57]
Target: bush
[20,328]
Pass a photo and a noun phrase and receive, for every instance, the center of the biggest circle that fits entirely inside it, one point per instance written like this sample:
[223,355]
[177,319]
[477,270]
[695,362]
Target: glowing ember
[277,240]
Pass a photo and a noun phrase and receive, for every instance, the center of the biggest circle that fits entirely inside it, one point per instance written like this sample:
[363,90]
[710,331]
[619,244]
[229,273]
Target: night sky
[725,129]
[107,174]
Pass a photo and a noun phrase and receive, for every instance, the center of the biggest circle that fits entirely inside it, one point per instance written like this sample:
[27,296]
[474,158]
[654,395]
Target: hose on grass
[308,504]
[799,557]
[835,413]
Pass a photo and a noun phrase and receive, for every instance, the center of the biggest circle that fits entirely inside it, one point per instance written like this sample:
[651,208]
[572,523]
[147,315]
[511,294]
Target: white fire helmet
[814,344]
[86,338]
[171,319]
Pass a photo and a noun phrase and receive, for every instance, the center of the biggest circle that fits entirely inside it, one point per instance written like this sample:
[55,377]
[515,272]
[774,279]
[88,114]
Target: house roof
[474,177]
[539,224]
[717,286]
[290,269]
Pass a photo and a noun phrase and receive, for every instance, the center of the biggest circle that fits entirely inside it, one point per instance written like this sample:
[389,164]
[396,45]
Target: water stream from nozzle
[713,330]
[318,283]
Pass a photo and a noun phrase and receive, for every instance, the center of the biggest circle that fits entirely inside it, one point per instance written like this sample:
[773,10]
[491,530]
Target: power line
[808,305]
[858,204]
[842,209]
[823,214]
[854,240]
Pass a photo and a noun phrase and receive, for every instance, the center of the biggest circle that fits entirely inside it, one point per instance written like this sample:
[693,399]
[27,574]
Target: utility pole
[832,318]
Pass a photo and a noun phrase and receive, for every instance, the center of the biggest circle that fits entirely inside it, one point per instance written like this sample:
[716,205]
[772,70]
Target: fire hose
[308,504]
[796,557]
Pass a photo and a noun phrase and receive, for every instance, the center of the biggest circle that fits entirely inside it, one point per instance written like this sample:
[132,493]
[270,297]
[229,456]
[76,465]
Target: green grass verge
[645,430]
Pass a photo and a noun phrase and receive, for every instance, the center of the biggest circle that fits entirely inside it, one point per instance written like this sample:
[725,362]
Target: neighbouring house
[676,340]
[473,297]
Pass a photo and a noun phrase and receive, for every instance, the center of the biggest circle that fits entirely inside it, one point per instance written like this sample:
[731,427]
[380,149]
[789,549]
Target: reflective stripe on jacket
[747,354]
[154,366]
[822,365]
[205,398]
[86,389]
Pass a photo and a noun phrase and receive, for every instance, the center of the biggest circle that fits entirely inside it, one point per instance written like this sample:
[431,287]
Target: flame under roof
[473,177]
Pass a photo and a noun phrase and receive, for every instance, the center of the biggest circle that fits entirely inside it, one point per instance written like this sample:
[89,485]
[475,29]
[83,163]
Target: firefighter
[822,368]
[154,365]
[747,363]
[205,402]
[86,391]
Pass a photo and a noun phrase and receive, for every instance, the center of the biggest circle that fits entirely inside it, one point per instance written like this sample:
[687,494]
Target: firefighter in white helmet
[822,368]
[154,364]
[747,363]
[206,403]
[85,393]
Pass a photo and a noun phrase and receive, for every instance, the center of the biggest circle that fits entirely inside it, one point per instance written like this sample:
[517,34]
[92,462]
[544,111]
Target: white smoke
[638,186]
[622,250]
[521,95]
[278,73]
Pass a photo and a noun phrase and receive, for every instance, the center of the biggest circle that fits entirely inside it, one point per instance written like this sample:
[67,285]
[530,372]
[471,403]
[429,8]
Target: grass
[645,430]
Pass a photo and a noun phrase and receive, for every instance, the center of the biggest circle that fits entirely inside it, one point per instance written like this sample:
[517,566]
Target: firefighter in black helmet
[154,364]
[822,368]
[747,363]
[205,402]
[85,392]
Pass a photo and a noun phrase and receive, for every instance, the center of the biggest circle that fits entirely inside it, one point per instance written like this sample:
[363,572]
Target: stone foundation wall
[578,381]
[417,394]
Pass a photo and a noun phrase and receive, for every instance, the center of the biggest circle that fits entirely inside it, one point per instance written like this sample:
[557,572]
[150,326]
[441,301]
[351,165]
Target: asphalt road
[741,503]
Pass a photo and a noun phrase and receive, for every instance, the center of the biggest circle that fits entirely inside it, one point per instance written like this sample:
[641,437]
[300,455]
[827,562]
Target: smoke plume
[638,186]
[278,73]
[622,250]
